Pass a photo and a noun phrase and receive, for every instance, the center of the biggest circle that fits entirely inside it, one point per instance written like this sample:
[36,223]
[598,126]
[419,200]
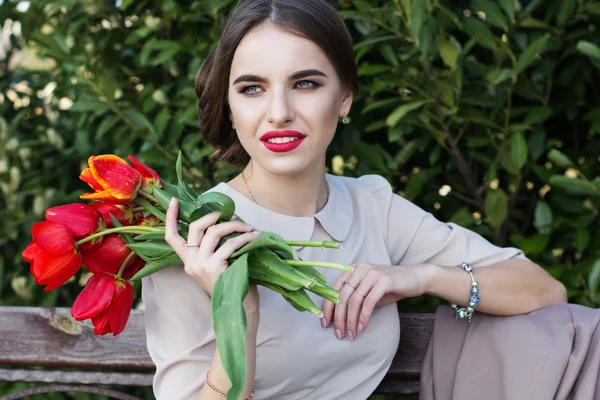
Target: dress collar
[336,217]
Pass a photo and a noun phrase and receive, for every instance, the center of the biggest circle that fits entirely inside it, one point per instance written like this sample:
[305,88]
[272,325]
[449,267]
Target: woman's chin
[289,166]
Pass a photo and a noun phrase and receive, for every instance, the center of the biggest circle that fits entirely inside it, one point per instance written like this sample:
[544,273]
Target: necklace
[252,196]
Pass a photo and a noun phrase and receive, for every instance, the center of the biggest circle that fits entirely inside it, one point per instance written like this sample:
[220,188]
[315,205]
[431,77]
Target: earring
[345,119]
[233,126]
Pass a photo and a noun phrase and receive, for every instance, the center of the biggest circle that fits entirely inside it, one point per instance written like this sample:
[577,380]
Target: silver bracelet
[467,312]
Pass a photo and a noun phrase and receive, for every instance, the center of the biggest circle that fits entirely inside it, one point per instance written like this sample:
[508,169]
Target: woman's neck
[298,195]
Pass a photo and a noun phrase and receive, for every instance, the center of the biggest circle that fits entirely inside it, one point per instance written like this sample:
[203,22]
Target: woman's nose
[281,110]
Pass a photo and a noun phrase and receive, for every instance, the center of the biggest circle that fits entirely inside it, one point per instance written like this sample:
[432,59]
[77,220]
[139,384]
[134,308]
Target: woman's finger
[356,304]
[234,244]
[214,234]
[172,236]
[328,306]
[376,293]
[197,227]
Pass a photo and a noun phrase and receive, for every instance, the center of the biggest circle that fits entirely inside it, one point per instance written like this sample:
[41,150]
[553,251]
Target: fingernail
[323,322]
[338,334]
[248,226]
[350,336]
[172,201]
[233,218]
[360,327]
[257,232]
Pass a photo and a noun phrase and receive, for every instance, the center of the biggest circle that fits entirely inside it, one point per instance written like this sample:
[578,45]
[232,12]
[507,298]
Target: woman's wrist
[432,275]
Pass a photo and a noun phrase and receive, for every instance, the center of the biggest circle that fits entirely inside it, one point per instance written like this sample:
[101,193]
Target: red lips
[282,147]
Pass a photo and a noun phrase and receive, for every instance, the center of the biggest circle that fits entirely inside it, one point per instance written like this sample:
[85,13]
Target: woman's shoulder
[365,184]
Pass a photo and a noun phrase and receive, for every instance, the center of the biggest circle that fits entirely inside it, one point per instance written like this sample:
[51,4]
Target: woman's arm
[217,374]
[510,287]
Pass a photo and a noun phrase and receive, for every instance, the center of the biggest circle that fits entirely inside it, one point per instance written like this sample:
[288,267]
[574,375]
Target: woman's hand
[201,260]
[367,287]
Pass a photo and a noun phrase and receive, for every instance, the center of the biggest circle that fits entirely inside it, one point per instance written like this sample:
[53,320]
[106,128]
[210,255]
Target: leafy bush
[484,112]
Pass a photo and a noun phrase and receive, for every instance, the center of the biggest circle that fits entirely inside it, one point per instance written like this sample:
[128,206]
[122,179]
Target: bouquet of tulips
[119,237]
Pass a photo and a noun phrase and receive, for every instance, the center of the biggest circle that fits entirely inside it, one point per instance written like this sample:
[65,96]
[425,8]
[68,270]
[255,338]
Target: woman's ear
[347,98]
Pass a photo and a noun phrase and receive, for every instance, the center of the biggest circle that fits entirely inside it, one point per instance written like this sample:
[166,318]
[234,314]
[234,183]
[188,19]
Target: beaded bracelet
[467,312]
[223,394]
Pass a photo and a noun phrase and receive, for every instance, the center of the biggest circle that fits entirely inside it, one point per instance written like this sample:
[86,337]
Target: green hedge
[484,112]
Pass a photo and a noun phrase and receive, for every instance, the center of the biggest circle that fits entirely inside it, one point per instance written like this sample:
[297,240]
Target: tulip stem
[148,196]
[324,244]
[125,262]
[299,263]
[121,229]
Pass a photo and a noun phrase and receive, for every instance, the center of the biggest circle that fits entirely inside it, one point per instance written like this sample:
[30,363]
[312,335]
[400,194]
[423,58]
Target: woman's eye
[307,84]
[250,89]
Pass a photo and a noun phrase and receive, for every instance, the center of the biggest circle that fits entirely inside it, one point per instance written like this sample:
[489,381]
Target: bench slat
[50,337]
[77,377]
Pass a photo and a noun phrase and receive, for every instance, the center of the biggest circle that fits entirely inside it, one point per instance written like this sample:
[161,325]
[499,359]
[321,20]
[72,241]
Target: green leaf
[531,52]
[230,324]
[560,159]
[498,76]
[518,149]
[536,143]
[402,110]
[463,217]
[178,167]
[493,13]
[509,8]
[537,115]
[496,207]
[157,265]
[480,32]
[140,121]
[97,106]
[106,125]
[574,186]
[267,240]
[589,49]
[374,105]
[151,249]
[594,280]
[534,244]
[418,15]
[581,238]
[448,53]
[543,218]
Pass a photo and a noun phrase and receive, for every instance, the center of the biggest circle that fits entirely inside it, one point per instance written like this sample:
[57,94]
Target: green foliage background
[485,113]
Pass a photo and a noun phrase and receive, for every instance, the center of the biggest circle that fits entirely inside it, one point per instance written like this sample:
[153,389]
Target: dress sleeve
[415,236]
[179,333]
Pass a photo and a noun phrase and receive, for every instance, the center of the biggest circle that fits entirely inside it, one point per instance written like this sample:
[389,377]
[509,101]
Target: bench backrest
[51,338]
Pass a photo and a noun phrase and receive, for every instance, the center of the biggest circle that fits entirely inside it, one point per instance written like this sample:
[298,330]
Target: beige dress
[296,357]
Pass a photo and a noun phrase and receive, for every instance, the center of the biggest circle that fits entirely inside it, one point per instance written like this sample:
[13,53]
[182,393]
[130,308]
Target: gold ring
[361,293]
[350,284]
[186,244]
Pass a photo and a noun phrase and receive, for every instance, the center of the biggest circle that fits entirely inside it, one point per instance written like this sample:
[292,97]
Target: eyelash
[314,84]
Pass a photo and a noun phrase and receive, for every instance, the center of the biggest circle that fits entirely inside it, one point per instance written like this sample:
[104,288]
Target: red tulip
[53,255]
[124,214]
[149,220]
[133,267]
[81,219]
[109,257]
[150,176]
[53,238]
[112,179]
[107,300]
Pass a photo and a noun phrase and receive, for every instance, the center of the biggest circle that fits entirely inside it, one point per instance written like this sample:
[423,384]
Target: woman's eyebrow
[297,75]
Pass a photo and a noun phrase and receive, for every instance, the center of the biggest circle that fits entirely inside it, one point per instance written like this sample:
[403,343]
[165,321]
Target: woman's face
[285,99]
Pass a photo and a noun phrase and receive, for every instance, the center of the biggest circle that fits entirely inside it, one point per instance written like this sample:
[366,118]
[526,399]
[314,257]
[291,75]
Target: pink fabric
[553,353]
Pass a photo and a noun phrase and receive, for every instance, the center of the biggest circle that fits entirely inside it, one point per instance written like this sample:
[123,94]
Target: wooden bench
[47,345]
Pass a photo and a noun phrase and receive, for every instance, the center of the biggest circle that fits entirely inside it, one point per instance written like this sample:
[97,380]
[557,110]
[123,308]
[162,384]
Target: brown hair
[315,20]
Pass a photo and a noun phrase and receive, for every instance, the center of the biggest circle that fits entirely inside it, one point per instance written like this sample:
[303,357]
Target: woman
[270,97]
